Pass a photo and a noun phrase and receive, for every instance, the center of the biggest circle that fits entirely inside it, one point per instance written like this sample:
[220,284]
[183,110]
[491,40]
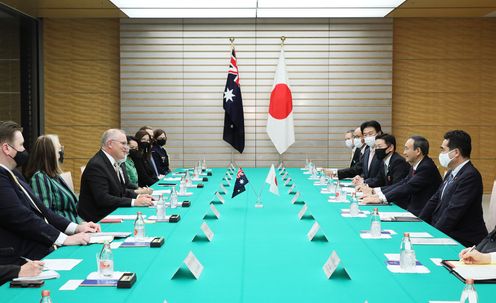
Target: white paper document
[122,217]
[395,268]
[61,264]
[433,241]
[44,275]
[420,235]
[71,285]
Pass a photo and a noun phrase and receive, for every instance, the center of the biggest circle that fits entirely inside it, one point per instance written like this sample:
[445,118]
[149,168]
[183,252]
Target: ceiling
[105,8]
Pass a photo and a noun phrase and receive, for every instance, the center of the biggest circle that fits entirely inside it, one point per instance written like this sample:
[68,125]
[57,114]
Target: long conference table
[260,254]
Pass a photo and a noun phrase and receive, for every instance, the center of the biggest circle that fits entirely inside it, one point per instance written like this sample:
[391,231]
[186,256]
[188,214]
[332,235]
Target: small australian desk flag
[234,121]
[239,185]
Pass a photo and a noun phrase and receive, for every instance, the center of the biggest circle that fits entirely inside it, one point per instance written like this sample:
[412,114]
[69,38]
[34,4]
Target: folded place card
[214,210]
[193,265]
[207,231]
[285,175]
[332,264]
[313,231]
[219,197]
[280,166]
[291,188]
[296,196]
[287,181]
[302,212]
[223,189]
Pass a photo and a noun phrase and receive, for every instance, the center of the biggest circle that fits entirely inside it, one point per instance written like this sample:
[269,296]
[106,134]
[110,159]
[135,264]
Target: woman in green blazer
[43,173]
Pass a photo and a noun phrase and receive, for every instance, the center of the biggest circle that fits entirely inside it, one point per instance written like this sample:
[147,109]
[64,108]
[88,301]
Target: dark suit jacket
[413,191]
[23,231]
[101,190]
[398,169]
[356,157]
[8,272]
[375,165]
[459,212]
[161,159]
[146,173]
[354,170]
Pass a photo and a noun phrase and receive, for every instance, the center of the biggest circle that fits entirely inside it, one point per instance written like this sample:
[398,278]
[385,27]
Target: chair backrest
[491,218]
[67,176]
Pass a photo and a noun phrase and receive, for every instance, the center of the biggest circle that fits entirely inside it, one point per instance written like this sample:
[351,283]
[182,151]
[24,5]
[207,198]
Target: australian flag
[234,121]
[239,185]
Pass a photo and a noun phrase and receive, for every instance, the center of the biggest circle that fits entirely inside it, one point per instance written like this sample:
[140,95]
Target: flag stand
[258,203]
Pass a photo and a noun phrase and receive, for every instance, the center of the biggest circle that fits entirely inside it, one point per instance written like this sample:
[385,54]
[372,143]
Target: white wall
[173,74]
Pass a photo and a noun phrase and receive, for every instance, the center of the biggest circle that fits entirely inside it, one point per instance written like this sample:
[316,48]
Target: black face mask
[20,158]
[61,159]
[133,153]
[380,153]
[144,146]
[161,142]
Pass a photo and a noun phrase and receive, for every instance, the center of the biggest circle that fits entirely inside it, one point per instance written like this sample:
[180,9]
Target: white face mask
[348,143]
[358,142]
[370,141]
[444,159]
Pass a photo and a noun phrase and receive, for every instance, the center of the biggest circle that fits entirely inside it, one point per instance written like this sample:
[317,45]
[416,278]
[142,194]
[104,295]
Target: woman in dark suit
[143,160]
[159,154]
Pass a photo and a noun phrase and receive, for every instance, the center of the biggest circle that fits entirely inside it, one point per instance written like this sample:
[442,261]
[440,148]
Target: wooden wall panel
[173,74]
[444,77]
[81,82]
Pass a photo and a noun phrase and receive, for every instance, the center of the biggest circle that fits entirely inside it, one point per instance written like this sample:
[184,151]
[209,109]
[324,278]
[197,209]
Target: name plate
[223,189]
[215,211]
[291,188]
[296,196]
[285,175]
[193,265]
[302,212]
[287,181]
[332,264]
[313,231]
[219,196]
[207,231]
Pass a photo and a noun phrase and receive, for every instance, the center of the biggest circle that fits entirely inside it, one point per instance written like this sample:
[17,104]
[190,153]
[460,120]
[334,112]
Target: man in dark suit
[348,142]
[358,146]
[368,166]
[103,183]
[394,167]
[456,207]
[413,191]
[28,228]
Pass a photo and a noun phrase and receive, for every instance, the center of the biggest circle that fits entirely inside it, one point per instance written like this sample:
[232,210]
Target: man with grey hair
[103,186]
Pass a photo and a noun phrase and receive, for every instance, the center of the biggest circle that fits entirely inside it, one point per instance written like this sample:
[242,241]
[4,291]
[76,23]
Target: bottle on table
[182,186]
[173,197]
[354,209]
[139,227]
[160,208]
[375,224]
[45,296]
[407,254]
[106,261]
[469,294]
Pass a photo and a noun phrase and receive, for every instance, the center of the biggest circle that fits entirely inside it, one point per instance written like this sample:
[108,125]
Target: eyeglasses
[123,143]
